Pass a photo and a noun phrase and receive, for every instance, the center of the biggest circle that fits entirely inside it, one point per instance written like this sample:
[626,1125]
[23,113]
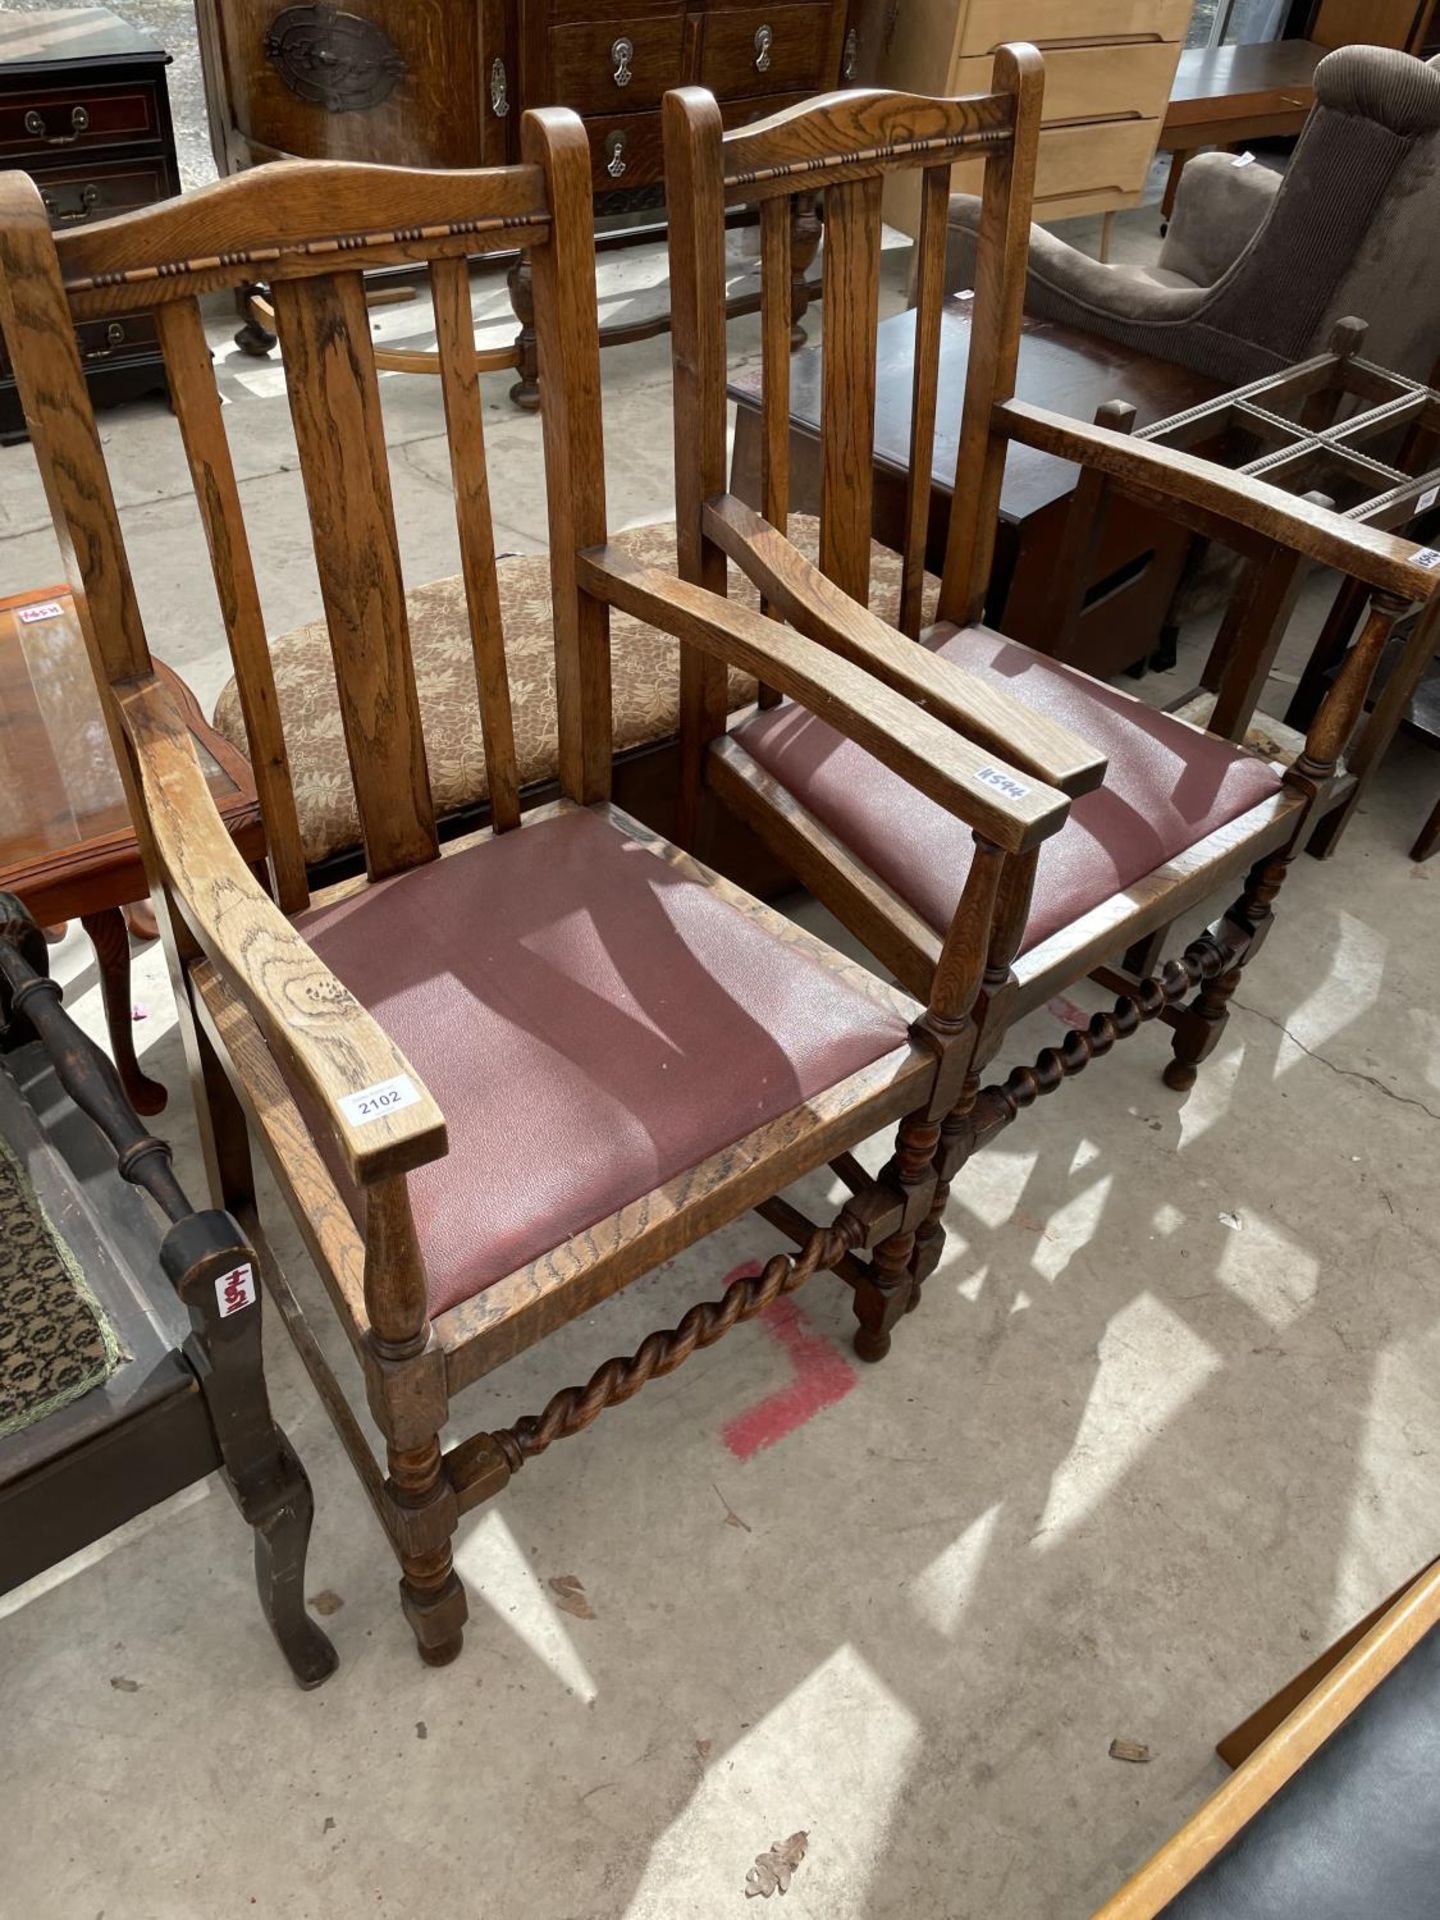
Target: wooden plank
[695,198]
[920,748]
[1002,257]
[979,707]
[929,297]
[335,1046]
[569,347]
[460,387]
[1296,1741]
[335,404]
[851,274]
[196,402]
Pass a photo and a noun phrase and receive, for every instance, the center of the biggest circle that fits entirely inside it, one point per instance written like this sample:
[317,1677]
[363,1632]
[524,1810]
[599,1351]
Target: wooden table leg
[112,950]
[1429,837]
[1172,182]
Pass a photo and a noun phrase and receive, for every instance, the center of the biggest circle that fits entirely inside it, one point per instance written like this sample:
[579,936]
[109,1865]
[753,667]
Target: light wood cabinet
[1109,66]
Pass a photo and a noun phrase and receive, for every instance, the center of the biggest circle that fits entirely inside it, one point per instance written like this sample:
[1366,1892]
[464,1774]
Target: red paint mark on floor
[822,1376]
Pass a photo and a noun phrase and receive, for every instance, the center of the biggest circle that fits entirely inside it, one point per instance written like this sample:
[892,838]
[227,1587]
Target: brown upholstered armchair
[1257,267]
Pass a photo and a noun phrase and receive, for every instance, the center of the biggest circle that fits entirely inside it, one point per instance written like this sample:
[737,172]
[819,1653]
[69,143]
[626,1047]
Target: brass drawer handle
[79,123]
[115,336]
[622,61]
[499,89]
[69,216]
[615,148]
[764,40]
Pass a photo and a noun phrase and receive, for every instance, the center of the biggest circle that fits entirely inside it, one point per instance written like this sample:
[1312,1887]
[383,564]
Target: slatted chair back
[841,147]
[311,230]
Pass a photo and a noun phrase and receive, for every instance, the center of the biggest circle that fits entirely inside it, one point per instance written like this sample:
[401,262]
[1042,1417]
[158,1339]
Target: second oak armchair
[1163,815]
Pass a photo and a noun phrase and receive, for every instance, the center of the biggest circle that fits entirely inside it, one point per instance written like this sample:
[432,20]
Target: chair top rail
[293,219]
[849,136]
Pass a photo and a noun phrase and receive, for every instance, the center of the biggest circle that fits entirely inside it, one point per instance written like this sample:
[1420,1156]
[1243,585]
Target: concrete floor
[1164,1426]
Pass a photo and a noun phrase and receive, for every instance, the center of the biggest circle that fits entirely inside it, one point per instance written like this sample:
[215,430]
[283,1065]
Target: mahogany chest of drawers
[84,111]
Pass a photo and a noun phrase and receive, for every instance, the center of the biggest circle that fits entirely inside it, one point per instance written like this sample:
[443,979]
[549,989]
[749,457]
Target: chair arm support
[334,1045]
[982,712]
[977,787]
[1382,560]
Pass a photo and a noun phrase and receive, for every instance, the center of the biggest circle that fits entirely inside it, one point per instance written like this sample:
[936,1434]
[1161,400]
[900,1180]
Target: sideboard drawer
[60,117]
[990,23]
[625,150]
[610,66]
[128,336]
[764,50]
[78,193]
[1093,83]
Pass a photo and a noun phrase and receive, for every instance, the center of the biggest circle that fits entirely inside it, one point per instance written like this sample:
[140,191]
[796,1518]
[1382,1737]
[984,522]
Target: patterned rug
[55,1342]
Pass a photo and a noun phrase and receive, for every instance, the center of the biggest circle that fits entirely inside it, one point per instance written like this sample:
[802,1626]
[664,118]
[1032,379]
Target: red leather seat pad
[591,1021]
[1166,787]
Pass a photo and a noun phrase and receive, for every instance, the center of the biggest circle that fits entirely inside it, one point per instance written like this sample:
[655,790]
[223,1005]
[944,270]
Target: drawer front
[616,67]
[766,50]
[625,150]
[76,194]
[105,342]
[989,23]
[1112,157]
[61,117]
[123,338]
[1082,169]
[1093,83]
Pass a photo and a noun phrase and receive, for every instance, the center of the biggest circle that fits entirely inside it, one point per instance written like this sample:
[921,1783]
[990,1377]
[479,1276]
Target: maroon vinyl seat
[591,1022]
[1166,787]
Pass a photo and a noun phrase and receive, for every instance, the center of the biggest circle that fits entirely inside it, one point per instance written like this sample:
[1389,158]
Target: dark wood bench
[187,1397]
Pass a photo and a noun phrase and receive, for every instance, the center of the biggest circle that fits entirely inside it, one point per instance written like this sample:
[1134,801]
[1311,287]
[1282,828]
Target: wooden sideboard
[1108,69]
[444,82]
[84,111]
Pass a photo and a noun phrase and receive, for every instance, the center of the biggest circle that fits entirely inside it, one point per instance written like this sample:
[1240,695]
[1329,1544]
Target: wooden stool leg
[885,1293]
[112,952]
[1200,1025]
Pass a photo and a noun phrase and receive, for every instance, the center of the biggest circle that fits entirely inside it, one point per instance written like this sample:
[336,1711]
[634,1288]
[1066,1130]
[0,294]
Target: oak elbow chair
[494,1087]
[1177,815]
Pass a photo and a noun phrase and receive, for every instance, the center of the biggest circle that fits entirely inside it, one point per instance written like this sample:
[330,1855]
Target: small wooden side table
[67,847]
[1122,604]
[1223,95]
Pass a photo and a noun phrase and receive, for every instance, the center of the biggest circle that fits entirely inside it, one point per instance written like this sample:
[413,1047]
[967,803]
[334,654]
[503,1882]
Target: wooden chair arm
[982,711]
[381,1115]
[1014,812]
[1384,561]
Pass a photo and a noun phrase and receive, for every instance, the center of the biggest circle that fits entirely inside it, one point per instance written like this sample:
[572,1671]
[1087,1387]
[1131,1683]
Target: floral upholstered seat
[645,678]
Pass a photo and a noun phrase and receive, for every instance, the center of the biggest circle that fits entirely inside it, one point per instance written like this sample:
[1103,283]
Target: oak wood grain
[979,708]
[335,405]
[922,749]
[335,1046]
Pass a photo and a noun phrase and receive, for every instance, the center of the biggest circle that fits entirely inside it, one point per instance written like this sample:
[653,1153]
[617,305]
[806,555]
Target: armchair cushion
[645,684]
[1167,786]
[591,1022]
[1219,209]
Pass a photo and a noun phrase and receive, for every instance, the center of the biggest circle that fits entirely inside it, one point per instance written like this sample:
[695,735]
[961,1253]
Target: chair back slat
[1001,262]
[196,402]
[929,293]
[335,405]
[695,199]
[776,306]
[460,387]
[851,282]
